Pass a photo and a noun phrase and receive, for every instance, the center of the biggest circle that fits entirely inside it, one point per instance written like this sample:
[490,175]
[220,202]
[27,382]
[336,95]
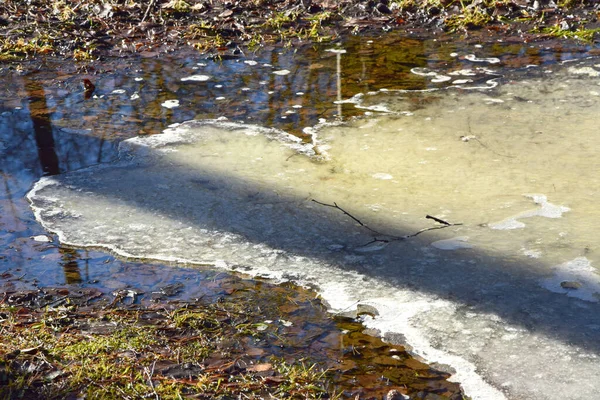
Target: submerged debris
[254,338]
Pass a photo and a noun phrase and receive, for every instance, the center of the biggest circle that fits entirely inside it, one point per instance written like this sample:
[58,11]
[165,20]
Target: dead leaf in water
[261,367]
[255,352]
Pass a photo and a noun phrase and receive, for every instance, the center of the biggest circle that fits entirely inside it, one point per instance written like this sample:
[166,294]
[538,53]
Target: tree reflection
[35,141]
[70,264]
[42,127]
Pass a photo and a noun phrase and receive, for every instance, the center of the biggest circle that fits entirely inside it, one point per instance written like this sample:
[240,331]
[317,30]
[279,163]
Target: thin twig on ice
[387,237]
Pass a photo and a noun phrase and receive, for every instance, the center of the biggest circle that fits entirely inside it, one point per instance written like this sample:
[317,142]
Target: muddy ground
[88,30]
[244,337]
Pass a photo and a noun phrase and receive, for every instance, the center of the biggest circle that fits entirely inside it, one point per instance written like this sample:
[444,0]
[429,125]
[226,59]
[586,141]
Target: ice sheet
[575,278]
[546,209]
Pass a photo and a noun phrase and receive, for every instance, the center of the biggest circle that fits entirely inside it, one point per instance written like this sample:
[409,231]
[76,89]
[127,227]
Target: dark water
[49,126]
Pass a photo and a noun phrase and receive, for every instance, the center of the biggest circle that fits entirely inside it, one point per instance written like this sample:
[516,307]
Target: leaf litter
[246,337]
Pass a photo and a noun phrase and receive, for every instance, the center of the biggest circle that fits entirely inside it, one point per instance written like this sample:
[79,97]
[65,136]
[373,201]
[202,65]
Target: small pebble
[395,395]
[570,285]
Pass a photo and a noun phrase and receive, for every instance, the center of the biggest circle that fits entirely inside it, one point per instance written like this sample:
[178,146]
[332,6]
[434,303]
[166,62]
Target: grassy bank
[251,341]
[87,30]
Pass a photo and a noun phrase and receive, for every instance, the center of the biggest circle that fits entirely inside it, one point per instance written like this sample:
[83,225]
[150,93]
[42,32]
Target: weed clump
[90,29]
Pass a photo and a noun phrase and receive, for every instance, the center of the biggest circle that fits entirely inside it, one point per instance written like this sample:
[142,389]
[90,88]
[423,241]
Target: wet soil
[233,326]
[99,28]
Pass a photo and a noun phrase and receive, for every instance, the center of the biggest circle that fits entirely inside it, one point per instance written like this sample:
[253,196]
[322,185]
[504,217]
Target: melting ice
[471,296]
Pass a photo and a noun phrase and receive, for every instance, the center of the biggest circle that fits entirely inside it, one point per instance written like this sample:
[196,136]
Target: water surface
[507,299]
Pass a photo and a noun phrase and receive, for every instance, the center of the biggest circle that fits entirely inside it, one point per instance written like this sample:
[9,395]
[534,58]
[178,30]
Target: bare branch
[441,221]
[429,229]
[389,238]
[334,205]
[150,5]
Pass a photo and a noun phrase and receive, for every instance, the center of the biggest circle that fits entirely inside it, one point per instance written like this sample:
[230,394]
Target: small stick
[467,138]
[150,5]
[150,373]
[429,229]
[350,215]
[441,221]
[60,300]
[392,238]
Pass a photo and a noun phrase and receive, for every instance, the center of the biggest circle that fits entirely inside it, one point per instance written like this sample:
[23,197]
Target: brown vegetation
[83,30]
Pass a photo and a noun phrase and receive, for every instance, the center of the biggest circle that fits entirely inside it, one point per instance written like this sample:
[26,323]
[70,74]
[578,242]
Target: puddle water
[508,299]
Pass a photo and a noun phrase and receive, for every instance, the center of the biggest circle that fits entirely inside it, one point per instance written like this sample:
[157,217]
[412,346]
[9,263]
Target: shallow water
[48,126]
[484,299]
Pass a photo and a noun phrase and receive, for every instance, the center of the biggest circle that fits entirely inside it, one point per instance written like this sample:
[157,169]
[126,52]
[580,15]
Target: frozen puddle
[469,296]
[459,242]
[546,209]
[576,278]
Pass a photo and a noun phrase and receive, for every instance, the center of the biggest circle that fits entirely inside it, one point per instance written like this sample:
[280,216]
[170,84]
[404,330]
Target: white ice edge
[358,98]
[465,372]
[170,103]
[579,271]
[196,78]
[338,299]
[546,210]
[395,313]
[474,58]
[37,211]
[178,134]
[377,108]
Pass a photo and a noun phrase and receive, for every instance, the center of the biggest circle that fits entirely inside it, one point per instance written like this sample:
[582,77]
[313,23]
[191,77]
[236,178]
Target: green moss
[194,350]
[22,48]
[315,32]
[570,3]
[59,355]
[194,320]
[584,35]
[131,338]
[179,6]
[63,10]
[281,20]
[470,17]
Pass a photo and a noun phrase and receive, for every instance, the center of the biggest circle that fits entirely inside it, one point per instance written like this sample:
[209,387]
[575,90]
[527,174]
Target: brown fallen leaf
[88,85]
[255,352]
[274,380]
[261,367]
